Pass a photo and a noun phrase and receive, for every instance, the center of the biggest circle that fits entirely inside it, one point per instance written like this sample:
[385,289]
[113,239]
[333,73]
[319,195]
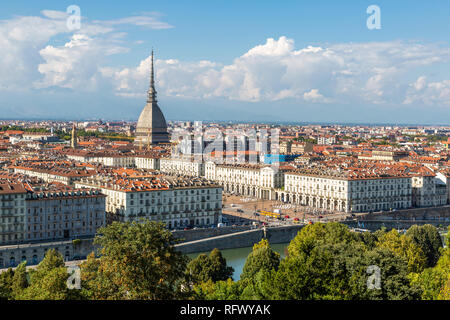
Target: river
[236,257]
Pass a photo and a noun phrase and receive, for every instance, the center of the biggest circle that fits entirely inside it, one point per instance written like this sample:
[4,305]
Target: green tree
[137,261]
[327,261]
[261,258]
[405,247]
[435,282]
[428,239]
[257,270]
[49,280]
[220,290]
[6,281]
[213,267]
[328,271]
[200,269]
[318,234]
[394,276]
[258,287]
[220,270]
[19,281]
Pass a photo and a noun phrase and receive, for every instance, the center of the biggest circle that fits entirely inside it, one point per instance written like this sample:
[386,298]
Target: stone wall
[374,225]
[11,256]
[192,235]
[402,219]
[241,239]
[410,214]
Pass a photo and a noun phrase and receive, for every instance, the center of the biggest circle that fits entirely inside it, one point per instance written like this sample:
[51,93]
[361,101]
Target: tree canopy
[213,267]
[137,261]
[428,239]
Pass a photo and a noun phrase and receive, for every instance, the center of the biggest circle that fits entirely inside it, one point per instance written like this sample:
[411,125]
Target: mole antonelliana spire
[151,127]
[151,89]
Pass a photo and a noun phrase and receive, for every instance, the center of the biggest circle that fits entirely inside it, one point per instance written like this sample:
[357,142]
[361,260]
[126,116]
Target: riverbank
[236,257]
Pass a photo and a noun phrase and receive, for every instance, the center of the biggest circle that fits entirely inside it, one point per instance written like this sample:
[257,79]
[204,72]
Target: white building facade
[177,206]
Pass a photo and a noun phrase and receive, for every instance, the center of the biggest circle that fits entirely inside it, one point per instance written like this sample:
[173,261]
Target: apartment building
[301,147]
[66,175]
[64,214]
[106,159]
[12,213]
[176,201]
[428,191]
[186,166]
[147,162]
[347,192]
[36,216]
[256,180]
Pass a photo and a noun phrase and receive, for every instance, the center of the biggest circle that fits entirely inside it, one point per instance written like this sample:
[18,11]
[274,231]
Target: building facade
[147,162]
[251,180]
[187,166]
[64,214]
[177,202]
[12,213]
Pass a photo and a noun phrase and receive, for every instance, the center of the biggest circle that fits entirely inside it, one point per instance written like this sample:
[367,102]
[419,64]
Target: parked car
[286,216]
[240,210]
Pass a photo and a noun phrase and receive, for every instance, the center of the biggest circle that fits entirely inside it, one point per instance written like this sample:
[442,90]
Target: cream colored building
[111,160]
[65,176]
[428,191]
[178,202]
[255,180]
[340,192]
[186,166]
[147,162]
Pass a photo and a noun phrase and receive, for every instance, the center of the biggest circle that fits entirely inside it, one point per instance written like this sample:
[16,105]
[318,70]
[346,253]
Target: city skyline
[221,156]
[319,63]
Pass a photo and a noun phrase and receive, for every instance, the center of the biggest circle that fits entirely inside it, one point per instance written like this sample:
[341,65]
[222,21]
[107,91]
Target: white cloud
[315,96]
[373,72]
[282,47]
[28,60]
[430,94]
[420,83]
[74,65]
[150,22]
[20,39]
[362,72]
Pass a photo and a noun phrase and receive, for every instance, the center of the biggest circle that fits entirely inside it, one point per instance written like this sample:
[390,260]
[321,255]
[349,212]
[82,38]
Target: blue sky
[231,60]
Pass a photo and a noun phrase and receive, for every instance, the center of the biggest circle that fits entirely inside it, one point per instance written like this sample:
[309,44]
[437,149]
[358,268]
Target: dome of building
[151,127]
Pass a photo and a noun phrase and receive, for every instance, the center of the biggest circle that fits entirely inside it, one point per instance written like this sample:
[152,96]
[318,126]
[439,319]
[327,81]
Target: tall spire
[152,91]
[73,140]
